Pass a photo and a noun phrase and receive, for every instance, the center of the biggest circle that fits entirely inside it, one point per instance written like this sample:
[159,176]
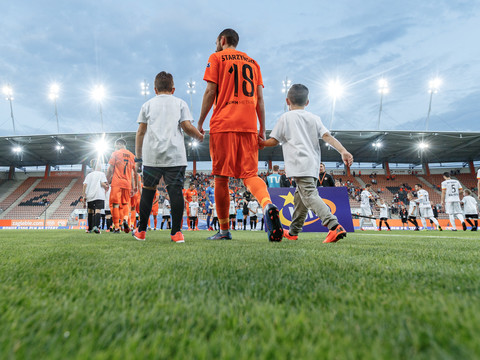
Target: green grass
[398,295]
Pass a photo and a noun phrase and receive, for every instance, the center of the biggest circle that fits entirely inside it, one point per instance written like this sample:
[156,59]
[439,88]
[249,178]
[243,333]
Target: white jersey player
[470,208]
[423,201]
[451,192]
[383,214]
[365,208]
[412,211]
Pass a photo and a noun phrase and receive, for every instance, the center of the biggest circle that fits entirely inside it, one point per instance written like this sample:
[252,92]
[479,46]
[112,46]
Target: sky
[80,44]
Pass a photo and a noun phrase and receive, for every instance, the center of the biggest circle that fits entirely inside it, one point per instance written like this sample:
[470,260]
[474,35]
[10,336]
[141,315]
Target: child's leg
[386,223]
[300,212]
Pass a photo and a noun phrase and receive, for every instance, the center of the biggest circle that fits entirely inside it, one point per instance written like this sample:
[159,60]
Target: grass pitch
[396,295]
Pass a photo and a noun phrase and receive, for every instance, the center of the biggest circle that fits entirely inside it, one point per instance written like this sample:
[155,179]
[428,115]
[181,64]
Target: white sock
[424,223]
[452,221]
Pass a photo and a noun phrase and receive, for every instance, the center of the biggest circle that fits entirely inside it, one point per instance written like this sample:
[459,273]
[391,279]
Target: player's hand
[347,158]
[132,192]
[261,139]
[200,128]
[201,137]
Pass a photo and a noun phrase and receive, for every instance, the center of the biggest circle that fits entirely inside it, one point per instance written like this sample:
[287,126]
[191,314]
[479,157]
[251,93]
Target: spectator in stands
[324,179]
[94,187]
[273,180]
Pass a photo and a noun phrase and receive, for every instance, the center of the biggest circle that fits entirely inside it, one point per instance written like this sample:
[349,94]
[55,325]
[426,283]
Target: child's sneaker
[178,237]
[287,235]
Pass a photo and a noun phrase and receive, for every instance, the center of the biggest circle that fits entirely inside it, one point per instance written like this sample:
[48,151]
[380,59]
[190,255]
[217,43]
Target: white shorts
[426,212]
[453,208]
[366,211]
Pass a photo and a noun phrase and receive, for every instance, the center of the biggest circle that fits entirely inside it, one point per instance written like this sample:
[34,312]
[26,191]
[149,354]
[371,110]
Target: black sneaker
[272,223]
[220,236]
[464,226]
[126,227]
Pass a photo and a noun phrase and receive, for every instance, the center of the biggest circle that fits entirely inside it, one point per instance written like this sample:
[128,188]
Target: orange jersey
[190,193]
[237,77]
[123,162]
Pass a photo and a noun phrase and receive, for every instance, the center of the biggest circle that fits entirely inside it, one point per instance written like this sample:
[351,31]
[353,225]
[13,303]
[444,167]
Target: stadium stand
[16,194]
[70,202]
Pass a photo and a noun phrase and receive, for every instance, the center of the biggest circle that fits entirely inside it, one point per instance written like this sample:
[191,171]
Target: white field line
[421,236]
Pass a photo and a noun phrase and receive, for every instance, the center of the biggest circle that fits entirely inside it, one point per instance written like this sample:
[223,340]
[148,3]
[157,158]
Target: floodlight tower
[286,84]
[8,92]
[382,89]
[433,87]
[53,95]
[191,91]
[335,90]
[98,94]
[144,89]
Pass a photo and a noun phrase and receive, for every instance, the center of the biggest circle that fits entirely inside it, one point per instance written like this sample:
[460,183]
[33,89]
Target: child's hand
[261,146]
[347,158]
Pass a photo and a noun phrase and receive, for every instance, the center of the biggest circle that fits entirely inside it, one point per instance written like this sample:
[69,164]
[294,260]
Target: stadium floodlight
[286,84]
[101,146]
[53,95]
[377,145]
[433,87]
[191,90]
[144,85]
[17,149]
[194,143]
[423,145]
[335,90]
[8,92]
[382,89]
[59,147]
[98,94]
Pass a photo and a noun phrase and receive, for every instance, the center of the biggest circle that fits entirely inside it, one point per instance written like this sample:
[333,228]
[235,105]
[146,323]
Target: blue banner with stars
[336,199]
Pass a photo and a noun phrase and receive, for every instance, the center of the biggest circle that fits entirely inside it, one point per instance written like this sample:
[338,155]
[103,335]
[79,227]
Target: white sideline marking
[422,236]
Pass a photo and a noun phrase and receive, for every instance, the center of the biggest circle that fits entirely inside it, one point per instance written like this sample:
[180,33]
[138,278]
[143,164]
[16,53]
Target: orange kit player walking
[234,84]
[135,203]
[120,175]
[188,196]
[154,211]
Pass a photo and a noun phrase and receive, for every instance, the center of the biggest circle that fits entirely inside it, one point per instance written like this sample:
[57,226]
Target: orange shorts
[154,209]
[135,200]
[187,208]
[119,196]
[234,154]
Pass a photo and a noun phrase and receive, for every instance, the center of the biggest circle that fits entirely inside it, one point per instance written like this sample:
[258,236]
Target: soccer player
[188,195]
[234,84]
[298,131]
[232,213]
[120,174]
[94,187]
[135,202]
[424,206]
[404,217]
[366,210]
[260,217]
[210,194]
[383,215]
[193,217]
[154,211]
[273,180]
[470,207]
[166,214]
[160,140]
[451,191]
[412,211]
[252,208]
[215,217]
[324,179]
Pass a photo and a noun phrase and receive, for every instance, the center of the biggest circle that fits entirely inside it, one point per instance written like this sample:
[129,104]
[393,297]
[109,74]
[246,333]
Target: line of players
[421,206]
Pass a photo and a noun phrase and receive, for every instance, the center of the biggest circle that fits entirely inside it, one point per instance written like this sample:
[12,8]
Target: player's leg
[151,177]
[388,226]
[435,221]
[90,214]
[424,223]
[460,217]
[174,179]
[222,200]
[380,224]
[299,215]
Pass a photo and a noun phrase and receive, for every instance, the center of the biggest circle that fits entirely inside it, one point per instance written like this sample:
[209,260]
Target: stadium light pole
[286,84]
[191,91]
[382,89]
[144,85]
[8,92]
[335,90]
[433,87]
[53,95]
[98,94]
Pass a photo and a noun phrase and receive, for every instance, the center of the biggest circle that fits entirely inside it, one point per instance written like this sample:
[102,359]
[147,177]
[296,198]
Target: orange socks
[133,217]
[258,188]
[116,216]
[222,201]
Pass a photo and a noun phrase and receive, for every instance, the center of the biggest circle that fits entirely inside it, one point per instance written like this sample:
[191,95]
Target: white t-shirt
[365,198]
[252,207]
[423,198]
[166,208]
[383,210]
[232,210]
[107,198]
[193,208]
[299,131]
[470,205]
[452,188]
[259,212]
[214,210]
[94,190]
[163,144]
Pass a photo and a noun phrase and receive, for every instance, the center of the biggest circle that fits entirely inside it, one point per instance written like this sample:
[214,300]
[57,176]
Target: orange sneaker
[287,235]
[335,235]
[178,237]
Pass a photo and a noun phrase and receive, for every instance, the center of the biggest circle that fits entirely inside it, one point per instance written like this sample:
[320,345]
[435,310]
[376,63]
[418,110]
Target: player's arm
[104,185]
[191,130]
[443,196]
[142,129]
[207,103]
[346,156]
[270,142]
[261,112]
[110,170]
[84,195]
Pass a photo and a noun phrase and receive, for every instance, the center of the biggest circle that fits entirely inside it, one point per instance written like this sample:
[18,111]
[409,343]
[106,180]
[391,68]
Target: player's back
[123,161]
[452,189]
[237,77]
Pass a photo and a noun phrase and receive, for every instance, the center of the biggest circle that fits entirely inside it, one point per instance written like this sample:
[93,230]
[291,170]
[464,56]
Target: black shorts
[471,216]
[245,212]
[383,219]
[96,205]
[174,175]
[412,218]
[254,217]
[192,218]
[232,216]
[167,217]
[108,212]
[404,220]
